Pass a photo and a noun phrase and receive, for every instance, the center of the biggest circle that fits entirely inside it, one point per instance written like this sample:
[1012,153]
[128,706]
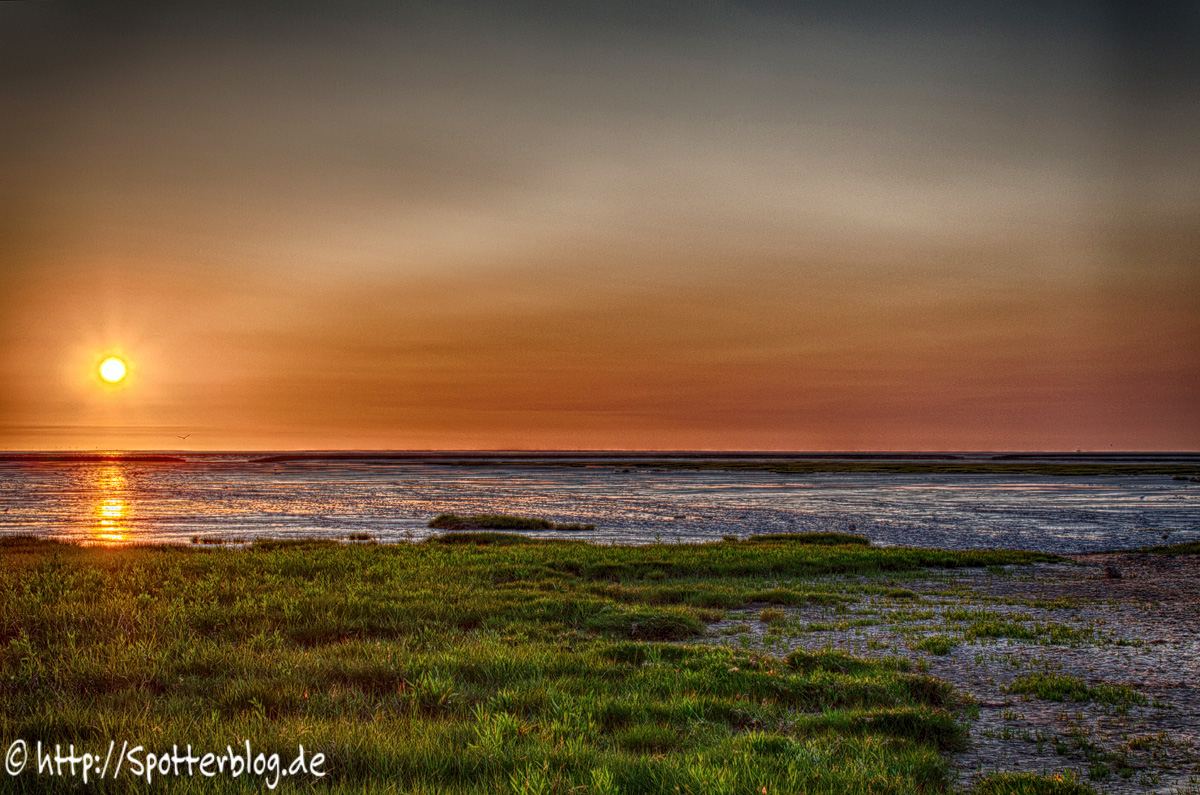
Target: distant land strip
[881,467]
[1182,466]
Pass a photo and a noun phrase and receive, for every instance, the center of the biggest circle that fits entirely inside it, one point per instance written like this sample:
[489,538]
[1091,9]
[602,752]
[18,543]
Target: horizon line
[740,452]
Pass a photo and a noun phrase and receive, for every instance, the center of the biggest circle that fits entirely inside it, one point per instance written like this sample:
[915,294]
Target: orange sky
[705,229]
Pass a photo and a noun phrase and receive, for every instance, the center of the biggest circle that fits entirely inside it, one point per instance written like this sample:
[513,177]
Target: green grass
[1017,626]
[809,538]
[475,538]
[1187,548]
[1030,784]
[935,644]
[494,521]
[1061,687]
[493,664]
[772,615]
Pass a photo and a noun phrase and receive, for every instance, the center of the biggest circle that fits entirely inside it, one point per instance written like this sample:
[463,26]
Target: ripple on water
[115,502]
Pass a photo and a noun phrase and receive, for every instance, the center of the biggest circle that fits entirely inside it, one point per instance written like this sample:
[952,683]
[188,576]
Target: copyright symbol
[17,756]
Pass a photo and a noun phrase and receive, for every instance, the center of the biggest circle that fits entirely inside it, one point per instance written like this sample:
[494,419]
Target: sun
[112,370]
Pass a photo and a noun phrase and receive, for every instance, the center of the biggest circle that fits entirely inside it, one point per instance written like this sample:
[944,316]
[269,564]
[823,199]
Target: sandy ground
[1141,630]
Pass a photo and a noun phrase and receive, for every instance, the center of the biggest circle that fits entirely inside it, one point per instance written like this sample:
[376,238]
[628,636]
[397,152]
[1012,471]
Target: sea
[235,498]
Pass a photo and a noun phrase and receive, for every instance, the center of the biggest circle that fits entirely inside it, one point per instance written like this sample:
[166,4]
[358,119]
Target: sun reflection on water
[111,510]
[114,502]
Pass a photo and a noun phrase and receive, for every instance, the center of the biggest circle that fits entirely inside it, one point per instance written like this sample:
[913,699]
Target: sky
[689,225]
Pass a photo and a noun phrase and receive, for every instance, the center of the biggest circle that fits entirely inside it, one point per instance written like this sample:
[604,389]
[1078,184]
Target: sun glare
[112,369]
[111,510]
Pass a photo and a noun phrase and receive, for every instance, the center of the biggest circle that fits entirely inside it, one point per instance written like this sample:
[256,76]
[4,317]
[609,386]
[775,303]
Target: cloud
[723,225]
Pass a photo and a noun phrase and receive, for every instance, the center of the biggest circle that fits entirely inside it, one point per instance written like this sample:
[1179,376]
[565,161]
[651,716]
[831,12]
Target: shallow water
[119,502]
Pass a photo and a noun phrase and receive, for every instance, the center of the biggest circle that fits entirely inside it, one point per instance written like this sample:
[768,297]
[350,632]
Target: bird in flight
[183,437]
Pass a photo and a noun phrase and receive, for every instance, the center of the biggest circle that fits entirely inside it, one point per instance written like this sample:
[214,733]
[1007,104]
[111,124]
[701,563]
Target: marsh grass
[1030,784]
[494,521]
[772,615]
[1061,687]
[935,644]
[1187,548]
[1017,626]
[489,664]
[219,540]
[809,538]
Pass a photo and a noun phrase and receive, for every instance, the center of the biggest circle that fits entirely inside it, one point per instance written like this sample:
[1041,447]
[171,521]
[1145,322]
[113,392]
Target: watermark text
[60,761]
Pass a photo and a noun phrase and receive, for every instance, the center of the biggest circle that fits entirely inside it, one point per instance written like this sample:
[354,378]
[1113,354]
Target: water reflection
[111,511]
[115,502]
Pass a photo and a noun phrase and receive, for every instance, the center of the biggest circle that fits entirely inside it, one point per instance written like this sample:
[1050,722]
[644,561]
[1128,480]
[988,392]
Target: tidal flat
[212,497]
[482,663]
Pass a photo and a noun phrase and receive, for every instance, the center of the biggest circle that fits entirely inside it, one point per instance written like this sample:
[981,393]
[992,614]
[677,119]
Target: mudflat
[1088,668]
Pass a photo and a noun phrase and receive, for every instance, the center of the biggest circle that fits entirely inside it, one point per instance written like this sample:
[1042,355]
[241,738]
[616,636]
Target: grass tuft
[935,644]
[463,537]
[1061,687]
[772,615]
[495,521]
[1186,548]
[1031,784]
[830,539]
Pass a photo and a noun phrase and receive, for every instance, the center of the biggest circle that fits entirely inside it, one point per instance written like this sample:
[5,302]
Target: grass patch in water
[1031,784]
[1061,687]
[809,538]
[496,521]
[935,644]
[1016,626]
[772,615]
[1186,548]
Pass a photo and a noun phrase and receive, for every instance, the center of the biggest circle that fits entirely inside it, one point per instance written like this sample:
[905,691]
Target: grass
[494,663]
[494,521]
[809,538]
[1060,687]
[1187,548]
[1018,626]
[935,644]
[772,615]
[219,540]
[1030,784]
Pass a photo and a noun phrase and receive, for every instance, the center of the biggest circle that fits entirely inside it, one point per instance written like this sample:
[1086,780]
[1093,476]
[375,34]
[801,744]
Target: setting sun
[112,370]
